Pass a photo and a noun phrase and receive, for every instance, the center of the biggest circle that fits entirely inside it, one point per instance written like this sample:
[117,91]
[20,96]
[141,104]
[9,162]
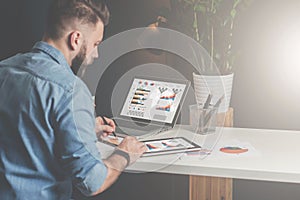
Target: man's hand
[103,130]
[132,150]
[133,147]
[117,161]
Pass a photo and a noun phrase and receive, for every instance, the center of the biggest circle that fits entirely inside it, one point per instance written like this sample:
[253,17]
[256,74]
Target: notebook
[152,105]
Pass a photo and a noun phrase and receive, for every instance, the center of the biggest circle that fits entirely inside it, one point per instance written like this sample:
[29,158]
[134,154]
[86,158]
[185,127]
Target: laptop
[152,105]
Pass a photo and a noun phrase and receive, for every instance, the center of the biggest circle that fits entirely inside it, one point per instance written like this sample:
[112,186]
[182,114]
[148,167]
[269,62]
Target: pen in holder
[203,120]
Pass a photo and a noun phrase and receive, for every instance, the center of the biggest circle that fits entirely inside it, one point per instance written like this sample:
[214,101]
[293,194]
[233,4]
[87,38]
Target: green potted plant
[211,23]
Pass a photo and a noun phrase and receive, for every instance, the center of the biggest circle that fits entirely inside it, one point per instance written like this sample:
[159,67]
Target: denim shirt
[47,123]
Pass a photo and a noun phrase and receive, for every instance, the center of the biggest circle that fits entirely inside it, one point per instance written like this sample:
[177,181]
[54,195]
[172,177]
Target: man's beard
[79,58]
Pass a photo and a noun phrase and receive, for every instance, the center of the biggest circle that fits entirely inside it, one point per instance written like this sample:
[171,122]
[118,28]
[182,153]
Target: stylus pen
[207,102]
[106,123]
[219,101]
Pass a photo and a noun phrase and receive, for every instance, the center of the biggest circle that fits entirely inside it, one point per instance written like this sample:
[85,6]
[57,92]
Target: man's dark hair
[62,12]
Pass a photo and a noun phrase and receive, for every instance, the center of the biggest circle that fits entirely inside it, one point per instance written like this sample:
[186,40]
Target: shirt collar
[54,53]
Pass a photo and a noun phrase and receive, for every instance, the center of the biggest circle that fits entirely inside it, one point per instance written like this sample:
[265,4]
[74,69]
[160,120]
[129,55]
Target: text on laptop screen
[153,100]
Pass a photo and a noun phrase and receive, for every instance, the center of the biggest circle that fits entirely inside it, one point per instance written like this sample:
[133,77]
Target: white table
[272,156]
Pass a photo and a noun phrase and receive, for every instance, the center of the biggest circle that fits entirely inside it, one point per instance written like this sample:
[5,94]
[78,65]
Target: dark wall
[22,24]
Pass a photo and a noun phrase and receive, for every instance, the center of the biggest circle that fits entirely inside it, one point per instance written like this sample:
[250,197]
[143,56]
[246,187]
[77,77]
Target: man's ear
[75,40]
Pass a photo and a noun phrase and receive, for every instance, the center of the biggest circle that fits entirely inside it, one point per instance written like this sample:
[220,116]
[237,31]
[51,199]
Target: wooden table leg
[213,188]
[210,188]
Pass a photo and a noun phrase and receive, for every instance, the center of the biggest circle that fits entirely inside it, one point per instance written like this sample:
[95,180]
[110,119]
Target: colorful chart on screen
[153,100]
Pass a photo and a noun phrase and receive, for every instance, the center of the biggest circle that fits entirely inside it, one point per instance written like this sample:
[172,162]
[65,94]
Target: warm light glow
[289,44]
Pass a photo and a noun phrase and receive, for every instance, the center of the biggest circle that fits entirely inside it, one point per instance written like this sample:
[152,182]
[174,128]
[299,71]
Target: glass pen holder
[203,120]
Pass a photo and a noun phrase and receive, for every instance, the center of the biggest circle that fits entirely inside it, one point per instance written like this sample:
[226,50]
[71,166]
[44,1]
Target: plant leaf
[233,13]
[200,8]
[236,3]
[188,2]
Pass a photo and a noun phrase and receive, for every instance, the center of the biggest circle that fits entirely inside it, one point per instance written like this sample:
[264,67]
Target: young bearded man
[47,123]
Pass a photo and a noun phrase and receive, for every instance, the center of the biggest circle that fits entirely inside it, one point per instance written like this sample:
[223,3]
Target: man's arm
[76,144]
[127,153]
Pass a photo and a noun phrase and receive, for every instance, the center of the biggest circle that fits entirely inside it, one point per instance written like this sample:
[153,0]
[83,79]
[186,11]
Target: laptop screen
[154,100]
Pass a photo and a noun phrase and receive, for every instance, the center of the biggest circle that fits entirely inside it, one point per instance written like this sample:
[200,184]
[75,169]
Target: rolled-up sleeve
[76,139]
